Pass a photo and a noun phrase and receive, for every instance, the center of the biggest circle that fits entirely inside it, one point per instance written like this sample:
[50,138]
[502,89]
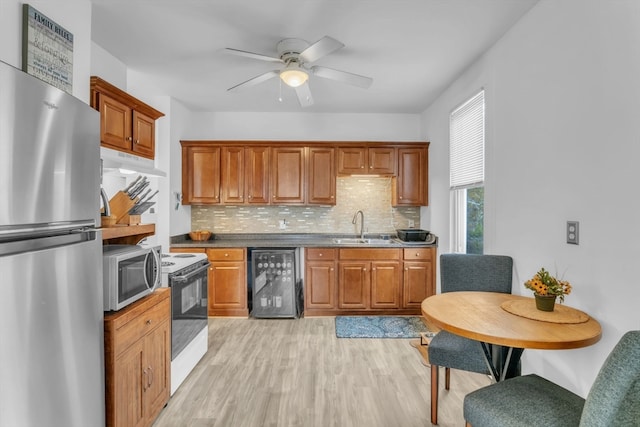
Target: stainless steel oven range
[186,275]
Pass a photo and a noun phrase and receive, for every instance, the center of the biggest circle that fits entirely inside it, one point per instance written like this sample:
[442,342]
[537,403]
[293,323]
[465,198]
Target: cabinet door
[200,175]
[353,288]
[157,360]
[227,288]
[411,184]
[385,284]
[352,160]
[129,377]
[321,184]
[144,130]
[320,285]
[257,175]
[115,123]
[287,175]
[417,283]
[232,179]
[382,161]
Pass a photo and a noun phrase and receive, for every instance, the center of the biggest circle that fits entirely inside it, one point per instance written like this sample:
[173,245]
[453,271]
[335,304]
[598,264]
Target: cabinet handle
[250,197]
[145,381]
[150,377]
[137,141]
[320,254]
[148,321]
[373,269]
[226,255]
[417,254]
[129,138]
[364,269]
[331,269]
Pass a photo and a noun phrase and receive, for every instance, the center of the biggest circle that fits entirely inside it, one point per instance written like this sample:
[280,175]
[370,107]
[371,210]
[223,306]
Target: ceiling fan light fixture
[294,76]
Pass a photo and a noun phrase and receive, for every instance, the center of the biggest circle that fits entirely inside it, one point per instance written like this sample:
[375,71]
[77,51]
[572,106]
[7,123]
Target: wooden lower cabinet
[368,281]
[320,279]
[138,360]
[419,276]
[227,282]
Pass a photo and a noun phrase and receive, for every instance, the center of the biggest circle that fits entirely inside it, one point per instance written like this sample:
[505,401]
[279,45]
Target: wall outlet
[411,223]
[573,228]
[283,224]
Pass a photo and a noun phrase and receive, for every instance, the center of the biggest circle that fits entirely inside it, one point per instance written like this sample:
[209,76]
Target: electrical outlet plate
[573,228]
[411,223]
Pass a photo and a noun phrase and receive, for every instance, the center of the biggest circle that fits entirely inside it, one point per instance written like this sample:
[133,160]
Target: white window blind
[466,157]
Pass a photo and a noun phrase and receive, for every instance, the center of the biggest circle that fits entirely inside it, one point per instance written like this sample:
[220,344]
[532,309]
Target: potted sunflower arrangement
[547,289]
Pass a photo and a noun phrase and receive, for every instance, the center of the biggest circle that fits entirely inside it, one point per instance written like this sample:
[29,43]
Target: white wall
[563,143]
[73,15]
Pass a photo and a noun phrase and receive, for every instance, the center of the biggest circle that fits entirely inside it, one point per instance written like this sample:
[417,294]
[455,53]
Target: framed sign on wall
[47,49]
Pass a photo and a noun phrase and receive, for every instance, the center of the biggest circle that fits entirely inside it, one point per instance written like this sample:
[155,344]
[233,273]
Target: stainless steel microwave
[130,272]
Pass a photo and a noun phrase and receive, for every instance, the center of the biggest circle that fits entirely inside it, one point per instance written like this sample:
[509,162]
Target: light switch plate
[573,228]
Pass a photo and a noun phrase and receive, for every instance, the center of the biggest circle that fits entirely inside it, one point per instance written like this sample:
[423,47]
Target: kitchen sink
[357,241]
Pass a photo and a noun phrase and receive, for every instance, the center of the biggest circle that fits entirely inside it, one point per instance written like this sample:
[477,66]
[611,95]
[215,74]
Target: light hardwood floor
[295,372]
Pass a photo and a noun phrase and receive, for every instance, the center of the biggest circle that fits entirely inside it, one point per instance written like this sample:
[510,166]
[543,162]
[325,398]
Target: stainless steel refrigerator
[51,318]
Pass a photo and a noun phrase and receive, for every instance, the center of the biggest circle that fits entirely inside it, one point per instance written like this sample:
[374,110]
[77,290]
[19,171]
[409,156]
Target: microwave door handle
[150,286]
[190,275]
[158,261]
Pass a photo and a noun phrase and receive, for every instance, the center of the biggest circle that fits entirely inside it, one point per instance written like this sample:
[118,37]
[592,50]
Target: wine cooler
[275,283]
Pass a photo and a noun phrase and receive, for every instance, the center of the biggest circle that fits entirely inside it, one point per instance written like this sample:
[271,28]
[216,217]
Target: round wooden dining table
[488,317]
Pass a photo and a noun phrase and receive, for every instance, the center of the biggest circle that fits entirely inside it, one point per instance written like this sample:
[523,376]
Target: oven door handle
[186,277]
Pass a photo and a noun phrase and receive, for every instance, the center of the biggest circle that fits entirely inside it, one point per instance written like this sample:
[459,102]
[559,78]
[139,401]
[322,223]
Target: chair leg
[434,394]
[447,378]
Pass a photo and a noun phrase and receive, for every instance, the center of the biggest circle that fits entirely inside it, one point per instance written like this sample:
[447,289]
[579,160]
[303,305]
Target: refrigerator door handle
[37,244]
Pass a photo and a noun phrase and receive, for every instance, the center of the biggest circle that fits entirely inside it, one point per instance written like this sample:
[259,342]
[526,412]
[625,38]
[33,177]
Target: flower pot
[545,302]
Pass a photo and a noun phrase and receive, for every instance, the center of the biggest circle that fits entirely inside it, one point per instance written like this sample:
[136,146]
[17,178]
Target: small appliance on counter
[186,275]
[415,235]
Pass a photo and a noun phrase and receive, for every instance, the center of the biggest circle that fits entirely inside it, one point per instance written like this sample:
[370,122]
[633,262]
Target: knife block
[120,205]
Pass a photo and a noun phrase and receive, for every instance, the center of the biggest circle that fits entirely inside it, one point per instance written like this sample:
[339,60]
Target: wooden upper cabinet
[200,174]
[144,135]
[256,175]
[232,178]
[366,160]
[411,184]
[287,175]
[126,123]
[321,182]
[115,123]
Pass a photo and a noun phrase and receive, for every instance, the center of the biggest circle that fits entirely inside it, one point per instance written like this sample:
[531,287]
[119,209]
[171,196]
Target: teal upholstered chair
[464,272]
[613,401]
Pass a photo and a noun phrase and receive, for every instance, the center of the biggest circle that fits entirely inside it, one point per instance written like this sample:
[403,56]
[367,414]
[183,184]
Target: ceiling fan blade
[304,95]
[342,76]
[321,48]
[256,80]
[253,55]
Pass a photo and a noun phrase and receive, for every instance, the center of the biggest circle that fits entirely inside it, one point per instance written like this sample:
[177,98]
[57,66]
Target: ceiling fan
[296,55]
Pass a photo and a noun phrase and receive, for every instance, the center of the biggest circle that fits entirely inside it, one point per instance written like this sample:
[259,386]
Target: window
[466,165]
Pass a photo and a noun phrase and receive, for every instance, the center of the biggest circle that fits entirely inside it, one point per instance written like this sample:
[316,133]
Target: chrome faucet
[355,220]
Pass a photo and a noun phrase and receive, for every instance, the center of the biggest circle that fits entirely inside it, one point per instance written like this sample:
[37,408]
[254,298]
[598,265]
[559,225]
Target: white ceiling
[413,49]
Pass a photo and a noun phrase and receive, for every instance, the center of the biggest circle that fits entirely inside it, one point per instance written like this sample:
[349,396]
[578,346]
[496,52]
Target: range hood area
[117,160]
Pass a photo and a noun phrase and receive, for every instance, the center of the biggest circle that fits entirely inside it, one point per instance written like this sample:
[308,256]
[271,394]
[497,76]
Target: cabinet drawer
[226,254]
[320,254]
[422,254]
[370,254]
[141,325]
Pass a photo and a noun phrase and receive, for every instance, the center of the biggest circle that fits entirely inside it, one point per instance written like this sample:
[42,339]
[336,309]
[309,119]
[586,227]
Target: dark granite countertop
[286,240]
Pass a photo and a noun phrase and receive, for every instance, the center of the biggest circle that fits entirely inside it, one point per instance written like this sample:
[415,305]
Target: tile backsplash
[372,195]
